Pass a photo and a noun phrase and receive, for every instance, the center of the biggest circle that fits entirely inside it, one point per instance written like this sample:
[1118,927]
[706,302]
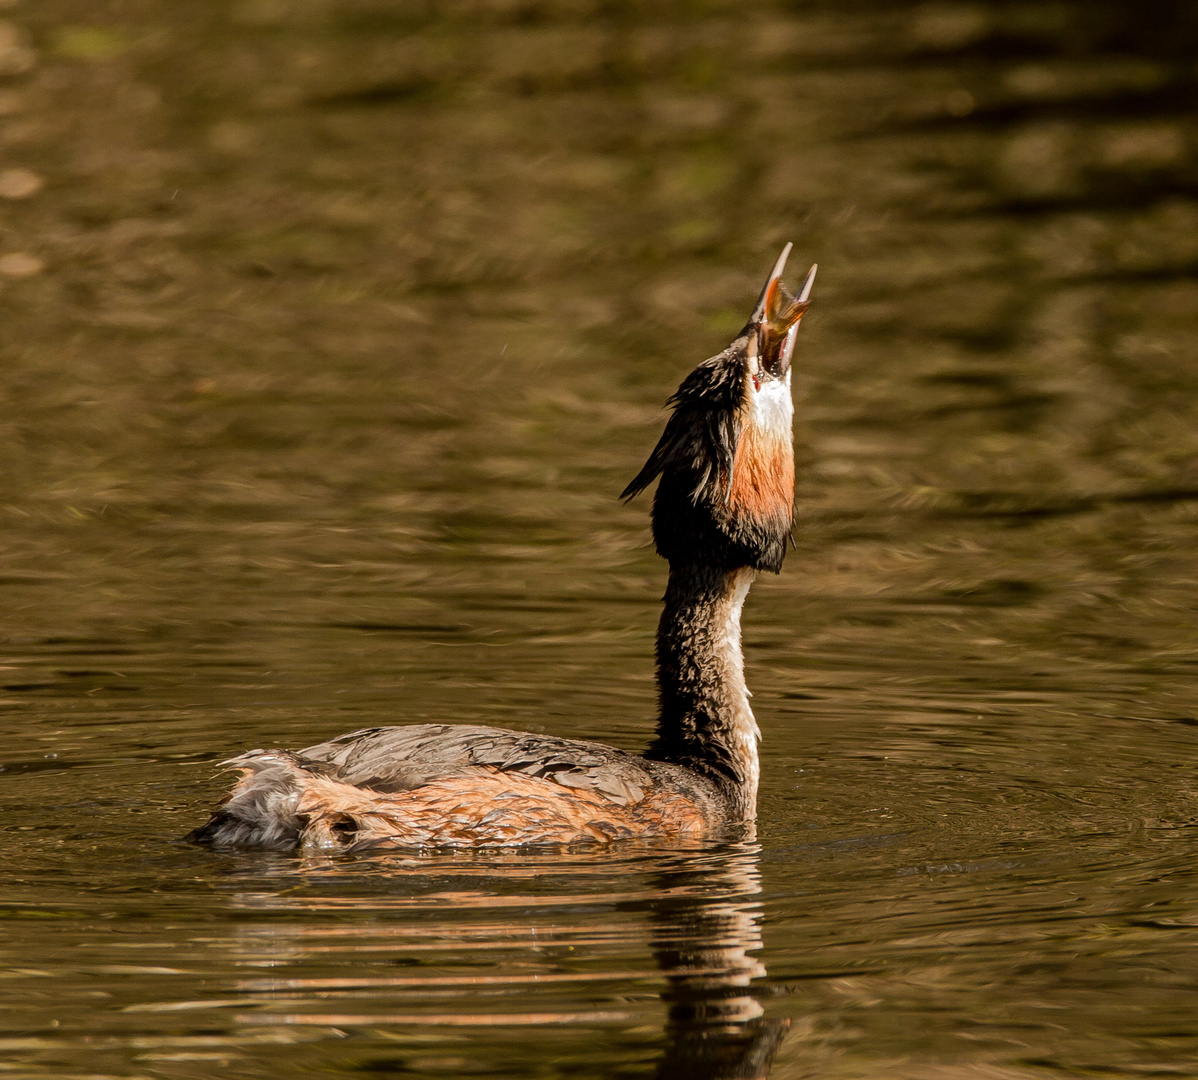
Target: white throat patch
[771,407]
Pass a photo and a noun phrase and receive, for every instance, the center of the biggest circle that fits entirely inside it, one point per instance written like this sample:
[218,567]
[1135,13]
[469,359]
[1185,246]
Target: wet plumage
[438,785]
[722,511]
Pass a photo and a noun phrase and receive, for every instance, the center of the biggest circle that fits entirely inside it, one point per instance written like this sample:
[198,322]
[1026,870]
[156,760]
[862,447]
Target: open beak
[776,317]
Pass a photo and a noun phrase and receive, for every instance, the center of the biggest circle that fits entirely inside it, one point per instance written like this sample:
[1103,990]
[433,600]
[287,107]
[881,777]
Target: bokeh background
[330,331]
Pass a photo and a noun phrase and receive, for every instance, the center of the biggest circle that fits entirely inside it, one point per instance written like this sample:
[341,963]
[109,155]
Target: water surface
[331,331]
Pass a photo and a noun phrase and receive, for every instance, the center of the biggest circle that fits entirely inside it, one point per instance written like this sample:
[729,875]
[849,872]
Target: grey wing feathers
[403,758]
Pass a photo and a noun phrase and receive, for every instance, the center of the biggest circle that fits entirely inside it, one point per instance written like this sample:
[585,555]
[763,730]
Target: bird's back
[440,785]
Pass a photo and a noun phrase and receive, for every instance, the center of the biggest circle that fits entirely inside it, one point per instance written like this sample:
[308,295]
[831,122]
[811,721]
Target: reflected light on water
[698,913]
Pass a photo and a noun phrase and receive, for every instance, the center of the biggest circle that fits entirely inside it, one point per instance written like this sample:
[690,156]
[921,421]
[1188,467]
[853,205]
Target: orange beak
[776,317]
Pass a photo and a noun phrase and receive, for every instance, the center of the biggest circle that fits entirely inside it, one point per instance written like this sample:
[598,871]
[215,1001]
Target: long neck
[705,721]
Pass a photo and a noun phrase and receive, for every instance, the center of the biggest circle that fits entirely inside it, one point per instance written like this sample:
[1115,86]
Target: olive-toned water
[329,332]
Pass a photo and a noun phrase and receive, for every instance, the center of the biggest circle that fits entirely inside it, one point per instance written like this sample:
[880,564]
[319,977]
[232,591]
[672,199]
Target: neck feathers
[723,510]
[705,721]
[763,476]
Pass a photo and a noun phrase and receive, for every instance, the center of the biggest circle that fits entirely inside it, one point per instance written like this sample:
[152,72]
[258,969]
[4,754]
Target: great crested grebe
[723,510]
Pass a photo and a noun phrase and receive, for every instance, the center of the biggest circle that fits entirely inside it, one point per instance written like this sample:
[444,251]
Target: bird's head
[726,458]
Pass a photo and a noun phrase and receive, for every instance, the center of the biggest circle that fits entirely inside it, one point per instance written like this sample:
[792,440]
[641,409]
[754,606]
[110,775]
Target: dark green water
[329,332]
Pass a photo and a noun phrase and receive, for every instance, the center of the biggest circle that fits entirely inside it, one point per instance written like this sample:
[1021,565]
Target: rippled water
[331,329]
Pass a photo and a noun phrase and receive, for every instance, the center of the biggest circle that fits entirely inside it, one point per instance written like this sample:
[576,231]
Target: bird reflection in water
[703,933]
[703,912]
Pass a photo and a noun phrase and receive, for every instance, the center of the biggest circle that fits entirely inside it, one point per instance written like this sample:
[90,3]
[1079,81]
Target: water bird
[722,512]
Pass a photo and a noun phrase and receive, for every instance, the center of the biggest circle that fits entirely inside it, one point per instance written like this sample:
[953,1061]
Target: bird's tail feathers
[263,809]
